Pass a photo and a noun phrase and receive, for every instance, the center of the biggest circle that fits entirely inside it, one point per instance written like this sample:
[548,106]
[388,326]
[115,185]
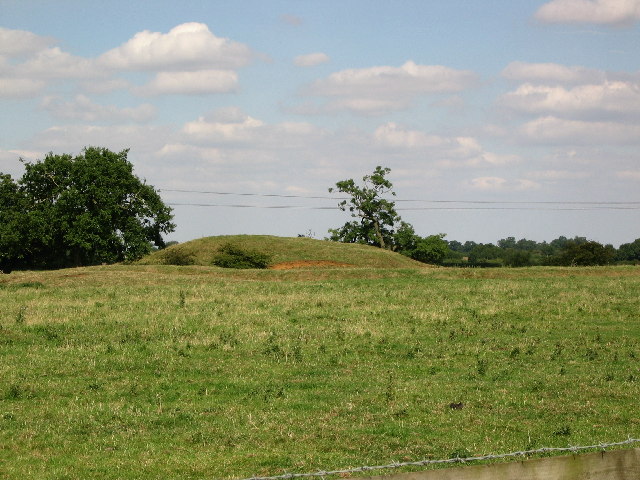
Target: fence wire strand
[422,463]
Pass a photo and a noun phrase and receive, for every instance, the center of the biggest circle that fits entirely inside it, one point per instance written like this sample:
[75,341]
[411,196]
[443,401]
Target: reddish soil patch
[308,264]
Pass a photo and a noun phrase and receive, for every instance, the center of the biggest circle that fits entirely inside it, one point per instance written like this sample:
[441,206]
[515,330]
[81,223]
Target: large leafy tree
[14,225]
[83,210]
[376,216]
[575,253]
[630,251]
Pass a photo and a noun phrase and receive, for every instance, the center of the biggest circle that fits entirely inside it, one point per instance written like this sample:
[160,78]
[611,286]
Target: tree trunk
[376,225]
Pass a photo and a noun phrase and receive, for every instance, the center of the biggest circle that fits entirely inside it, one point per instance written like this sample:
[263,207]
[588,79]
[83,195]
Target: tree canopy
[82,210]
[377,215]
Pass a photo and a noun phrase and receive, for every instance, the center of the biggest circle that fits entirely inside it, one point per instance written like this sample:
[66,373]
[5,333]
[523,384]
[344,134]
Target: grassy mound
[284,252]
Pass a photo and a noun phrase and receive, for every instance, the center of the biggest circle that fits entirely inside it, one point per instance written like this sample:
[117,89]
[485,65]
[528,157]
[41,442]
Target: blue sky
[498,118]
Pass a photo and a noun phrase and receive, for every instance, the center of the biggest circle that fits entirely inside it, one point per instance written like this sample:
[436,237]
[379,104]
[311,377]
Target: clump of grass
[21,316]
[481,366]
[16,286]
[234,256]
[18,392]
[563,431]
[460,453]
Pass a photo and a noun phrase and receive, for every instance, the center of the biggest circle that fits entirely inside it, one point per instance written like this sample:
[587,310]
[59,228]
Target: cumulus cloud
[381,89]
[73,138]
[232,126]
[28,64]
[311,59]
[501,184]
[559,175]
[574,105]
[190,46]
[444,151]
[17,43]
[629,174]
[82,108]
[106,85]
[553,73]
[614,99]
[605,12]
[54,63]
[554,130]
[394,136]
[189,59]
[191,83]
[292,20]
[20,87]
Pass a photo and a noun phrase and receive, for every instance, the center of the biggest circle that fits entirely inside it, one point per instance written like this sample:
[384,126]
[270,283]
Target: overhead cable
[479,202]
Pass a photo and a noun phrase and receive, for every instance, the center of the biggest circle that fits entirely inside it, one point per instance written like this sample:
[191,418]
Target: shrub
[176,256]
[233,256]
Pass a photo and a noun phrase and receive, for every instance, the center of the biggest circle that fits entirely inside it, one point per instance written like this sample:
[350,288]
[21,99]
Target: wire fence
[426,462]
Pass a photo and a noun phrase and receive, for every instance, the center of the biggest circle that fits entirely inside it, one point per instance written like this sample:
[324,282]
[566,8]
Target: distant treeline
[563,251]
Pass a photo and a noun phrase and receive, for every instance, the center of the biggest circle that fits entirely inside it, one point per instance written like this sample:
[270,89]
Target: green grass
[149,371]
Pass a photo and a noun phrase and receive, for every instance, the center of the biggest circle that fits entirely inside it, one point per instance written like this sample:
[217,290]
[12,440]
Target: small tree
[484,252]
[431,249]
[377,215]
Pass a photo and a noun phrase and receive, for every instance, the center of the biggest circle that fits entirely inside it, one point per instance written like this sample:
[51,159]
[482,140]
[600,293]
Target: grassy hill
[288,252]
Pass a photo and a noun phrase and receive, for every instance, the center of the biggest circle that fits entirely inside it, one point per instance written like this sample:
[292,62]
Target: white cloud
[205,131]
[292,20]
[82,108]
[73,138]
[394,136]
[610,99]
[551,73]
[191,154]
[444,152]
[554,130]
[502,184]
[191,83]
[629,174]
[233,127]
[381,89]
[499,159]
[190,46]
[559,175]
[100,86]
[20,87]
[311,59]
[16,43]
[53,63]
[606,12]
[28,64]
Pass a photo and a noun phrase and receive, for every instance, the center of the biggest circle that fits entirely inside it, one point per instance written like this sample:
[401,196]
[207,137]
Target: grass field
[143,371]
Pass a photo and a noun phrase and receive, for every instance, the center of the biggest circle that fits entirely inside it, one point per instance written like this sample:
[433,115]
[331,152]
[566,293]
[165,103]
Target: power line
[473,202]
[254,194]
[306,207]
